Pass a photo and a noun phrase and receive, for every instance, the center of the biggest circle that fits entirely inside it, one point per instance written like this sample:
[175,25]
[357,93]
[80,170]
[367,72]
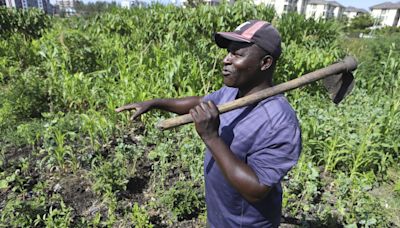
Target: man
[250,149]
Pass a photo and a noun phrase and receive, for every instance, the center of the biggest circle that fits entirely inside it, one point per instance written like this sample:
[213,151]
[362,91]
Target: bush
[30,23]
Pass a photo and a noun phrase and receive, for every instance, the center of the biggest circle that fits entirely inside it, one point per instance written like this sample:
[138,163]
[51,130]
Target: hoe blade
[339,85]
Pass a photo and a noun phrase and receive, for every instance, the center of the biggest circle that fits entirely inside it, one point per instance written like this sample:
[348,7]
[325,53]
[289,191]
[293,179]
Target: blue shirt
[267,137]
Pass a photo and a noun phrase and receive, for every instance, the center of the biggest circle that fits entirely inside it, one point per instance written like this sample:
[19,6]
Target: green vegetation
[361,23]
[30,24]
[68,160]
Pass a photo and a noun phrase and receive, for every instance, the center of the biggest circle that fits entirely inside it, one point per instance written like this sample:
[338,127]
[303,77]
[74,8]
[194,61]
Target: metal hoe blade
[339,85]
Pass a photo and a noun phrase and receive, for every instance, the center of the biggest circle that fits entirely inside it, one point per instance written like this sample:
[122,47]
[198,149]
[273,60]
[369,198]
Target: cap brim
[223,39]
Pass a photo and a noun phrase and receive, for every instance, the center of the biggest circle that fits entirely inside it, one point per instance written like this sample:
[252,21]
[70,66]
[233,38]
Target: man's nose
[227,59]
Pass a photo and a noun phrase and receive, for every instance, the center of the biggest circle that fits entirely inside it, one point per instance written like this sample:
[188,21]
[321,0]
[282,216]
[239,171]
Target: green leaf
[3,184]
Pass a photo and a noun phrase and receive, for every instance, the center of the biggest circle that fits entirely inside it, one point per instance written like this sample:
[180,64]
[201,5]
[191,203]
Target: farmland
[68,159]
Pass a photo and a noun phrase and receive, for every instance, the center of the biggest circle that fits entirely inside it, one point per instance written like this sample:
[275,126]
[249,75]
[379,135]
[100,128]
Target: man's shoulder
[277,111]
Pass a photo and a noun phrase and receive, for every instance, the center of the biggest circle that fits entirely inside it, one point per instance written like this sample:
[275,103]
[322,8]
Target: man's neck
[253,89]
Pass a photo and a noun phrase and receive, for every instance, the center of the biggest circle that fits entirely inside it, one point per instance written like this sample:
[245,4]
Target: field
[68,159]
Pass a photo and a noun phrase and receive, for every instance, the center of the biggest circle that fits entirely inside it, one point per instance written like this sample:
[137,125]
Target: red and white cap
[258,32]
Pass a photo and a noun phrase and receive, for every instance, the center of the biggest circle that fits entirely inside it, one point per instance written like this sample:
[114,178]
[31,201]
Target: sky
[364,4]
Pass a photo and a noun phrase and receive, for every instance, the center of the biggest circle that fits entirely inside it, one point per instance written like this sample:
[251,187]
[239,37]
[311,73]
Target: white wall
[338,12]
[386,16]
[301,6]
[323,11]
[10,3]
[280,6]
[315,11]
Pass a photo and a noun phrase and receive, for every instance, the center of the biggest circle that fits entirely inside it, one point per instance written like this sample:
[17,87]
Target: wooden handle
[347,64]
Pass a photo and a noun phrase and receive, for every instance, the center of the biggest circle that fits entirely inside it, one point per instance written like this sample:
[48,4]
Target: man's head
[253,49]
[261,33]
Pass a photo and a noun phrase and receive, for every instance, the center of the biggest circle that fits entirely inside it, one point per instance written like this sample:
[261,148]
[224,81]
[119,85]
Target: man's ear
[266,62]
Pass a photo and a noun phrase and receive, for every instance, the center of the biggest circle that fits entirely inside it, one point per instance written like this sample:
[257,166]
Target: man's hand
[141,107]
[206,119]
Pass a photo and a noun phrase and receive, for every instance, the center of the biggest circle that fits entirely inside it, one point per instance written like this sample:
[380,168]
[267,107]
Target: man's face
[242,65]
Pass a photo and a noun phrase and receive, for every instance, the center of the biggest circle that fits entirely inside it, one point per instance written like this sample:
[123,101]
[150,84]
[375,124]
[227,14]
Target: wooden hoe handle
[347,64]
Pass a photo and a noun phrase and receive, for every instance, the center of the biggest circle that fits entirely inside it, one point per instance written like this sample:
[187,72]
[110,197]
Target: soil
[76,193]
[14,153]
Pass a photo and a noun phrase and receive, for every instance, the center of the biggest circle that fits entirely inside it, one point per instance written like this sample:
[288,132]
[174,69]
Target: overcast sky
[365,4]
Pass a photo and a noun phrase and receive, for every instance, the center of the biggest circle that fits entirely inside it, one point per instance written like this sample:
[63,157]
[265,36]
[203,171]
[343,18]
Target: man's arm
[175,105]
[238,173]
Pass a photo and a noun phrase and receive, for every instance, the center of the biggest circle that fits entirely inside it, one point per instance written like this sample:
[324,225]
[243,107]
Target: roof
[324,2]
[354,9]
[386,5]
[335,3]
[317,2]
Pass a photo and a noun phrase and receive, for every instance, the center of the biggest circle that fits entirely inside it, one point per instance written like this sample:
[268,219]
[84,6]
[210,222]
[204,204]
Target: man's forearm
[237,172]
[177,105]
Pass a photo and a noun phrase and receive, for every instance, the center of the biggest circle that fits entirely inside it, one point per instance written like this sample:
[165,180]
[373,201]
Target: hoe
[337,79]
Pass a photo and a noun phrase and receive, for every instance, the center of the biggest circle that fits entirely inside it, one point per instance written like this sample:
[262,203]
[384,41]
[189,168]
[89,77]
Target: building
[301,6]
[3,3]
[352,12]
[338,9]
[324,9]
[386,14]
[66,4]
[284,6]
[133,3]
[26,4]
[14,4]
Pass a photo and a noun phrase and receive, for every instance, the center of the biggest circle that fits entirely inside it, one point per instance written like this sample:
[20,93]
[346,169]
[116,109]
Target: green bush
[30,23]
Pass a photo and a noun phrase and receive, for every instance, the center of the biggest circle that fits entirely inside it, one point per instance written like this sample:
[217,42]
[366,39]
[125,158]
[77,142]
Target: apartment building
[66,4]
[14,4]
[324,9]
[25,4]
[284,6]
[352,12]
[386,14]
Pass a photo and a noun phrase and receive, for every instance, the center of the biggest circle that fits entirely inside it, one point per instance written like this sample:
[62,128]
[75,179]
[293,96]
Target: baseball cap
[258,32]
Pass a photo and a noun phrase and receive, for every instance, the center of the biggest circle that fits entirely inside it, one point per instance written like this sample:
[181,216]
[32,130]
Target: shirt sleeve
[276,154]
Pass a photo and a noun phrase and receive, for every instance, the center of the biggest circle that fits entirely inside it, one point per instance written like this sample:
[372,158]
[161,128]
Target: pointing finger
[126,107]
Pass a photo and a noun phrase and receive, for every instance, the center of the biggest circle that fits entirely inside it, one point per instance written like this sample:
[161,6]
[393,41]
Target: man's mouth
[225,73]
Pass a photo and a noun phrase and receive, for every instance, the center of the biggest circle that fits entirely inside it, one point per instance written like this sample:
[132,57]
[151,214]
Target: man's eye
[235,53]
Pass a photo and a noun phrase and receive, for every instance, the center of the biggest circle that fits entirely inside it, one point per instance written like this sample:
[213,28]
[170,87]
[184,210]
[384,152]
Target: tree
[361,22]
